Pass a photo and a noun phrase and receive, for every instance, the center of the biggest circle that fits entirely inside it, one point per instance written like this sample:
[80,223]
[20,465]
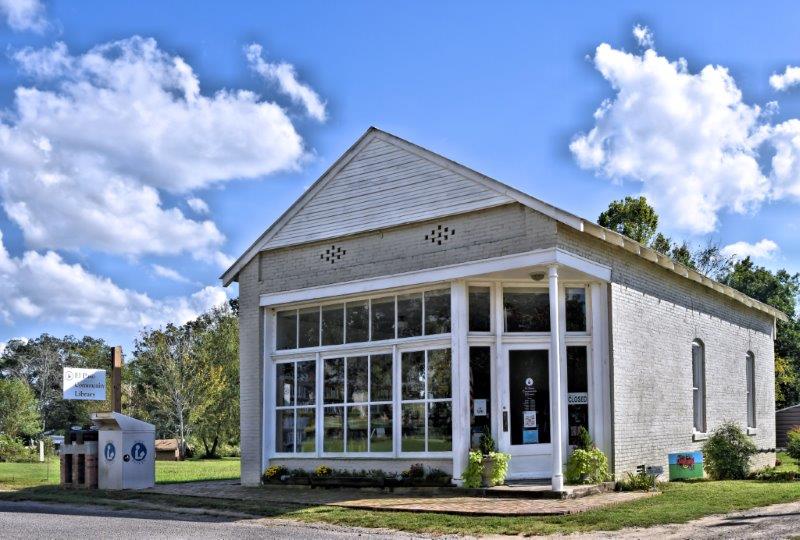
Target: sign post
[116,378]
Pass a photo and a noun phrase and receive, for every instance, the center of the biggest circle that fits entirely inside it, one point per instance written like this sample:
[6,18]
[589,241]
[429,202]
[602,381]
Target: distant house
[786,419]
[405,304]
[167,450]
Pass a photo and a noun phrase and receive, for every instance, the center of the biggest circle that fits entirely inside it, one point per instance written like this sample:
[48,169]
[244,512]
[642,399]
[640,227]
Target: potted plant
[486,467]
[587,464]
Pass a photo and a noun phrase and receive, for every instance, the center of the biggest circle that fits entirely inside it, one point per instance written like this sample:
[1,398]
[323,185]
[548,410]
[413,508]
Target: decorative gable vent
[332,254]
[440,234]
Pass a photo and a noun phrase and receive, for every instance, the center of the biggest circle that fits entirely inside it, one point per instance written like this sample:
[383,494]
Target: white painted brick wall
[655,316]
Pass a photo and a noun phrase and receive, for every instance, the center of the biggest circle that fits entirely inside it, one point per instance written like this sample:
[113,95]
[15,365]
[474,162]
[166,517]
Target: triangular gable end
[383,185]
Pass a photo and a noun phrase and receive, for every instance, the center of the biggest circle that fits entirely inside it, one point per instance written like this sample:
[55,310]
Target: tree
[40,362]
[184,379]
[19,413]
[634,218]
[780,290]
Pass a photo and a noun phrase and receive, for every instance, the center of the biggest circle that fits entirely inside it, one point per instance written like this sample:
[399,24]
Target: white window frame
[750,391]
[344,301]
[699,389]
[345,404]
[295,407]
[400,401]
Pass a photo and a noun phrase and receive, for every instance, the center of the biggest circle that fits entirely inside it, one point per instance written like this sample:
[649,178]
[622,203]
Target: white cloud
[789,78]
[644,36]
[48,288]
[86,150]
[763,249]
[169,273]
[687,137]
[286,78]
[24,14]
[198,205]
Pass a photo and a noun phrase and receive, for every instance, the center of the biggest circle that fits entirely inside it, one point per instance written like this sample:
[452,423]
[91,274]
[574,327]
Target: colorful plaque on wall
[685,465]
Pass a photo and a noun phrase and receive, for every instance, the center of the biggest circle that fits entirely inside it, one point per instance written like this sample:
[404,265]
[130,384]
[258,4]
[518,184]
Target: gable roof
[382,163]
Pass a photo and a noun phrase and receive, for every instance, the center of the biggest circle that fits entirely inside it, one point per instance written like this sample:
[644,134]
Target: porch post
[460,375]
[556,393]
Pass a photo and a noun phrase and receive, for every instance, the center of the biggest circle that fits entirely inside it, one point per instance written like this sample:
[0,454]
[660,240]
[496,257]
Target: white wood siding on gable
[383,186]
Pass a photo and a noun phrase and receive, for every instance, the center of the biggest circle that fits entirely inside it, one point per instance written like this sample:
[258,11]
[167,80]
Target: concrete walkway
[435,501]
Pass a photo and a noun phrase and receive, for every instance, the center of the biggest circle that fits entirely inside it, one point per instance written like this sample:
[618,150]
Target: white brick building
[405,303]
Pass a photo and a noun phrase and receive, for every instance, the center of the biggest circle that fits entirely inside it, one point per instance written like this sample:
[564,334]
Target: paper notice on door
[479,407]
[529,419]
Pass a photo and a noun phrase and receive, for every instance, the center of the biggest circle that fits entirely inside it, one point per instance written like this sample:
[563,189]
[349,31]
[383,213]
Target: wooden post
[116,378]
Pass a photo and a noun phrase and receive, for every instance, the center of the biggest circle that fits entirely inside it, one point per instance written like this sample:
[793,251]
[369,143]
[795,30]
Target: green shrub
[640,481]
[416,471]
[770,474]
[500,470]
[727,453]
[13,450]
[587,467]
[472,474]
[323,470]
[487,443]
[793,442]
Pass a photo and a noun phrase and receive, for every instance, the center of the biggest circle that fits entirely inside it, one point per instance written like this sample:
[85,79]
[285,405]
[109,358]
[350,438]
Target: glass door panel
[529,396]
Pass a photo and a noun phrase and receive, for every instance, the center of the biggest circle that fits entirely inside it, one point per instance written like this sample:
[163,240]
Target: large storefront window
[426,410]
[424,313]
[295,419]
[357,414]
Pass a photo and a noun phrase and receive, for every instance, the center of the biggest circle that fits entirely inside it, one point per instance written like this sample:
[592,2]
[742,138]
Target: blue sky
[503,89]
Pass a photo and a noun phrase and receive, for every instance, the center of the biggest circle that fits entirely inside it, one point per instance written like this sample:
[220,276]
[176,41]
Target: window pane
[439,374]
[380,377]
[284,430]
[383,318]
[440,427]
[479,309]
[413,375]
[306,382]
[357,322]
[333,381]
[751,390]
[333,324]
[284,384]
[480,386]
[357,428]
[309,327]
[413,432]
[577,392]
[333,429]
[357,379]
[698,387]
[529,387]
[576,309]
[527,310]
[380,437]
[437,312]
[409,315]
[286,330]
[306,430]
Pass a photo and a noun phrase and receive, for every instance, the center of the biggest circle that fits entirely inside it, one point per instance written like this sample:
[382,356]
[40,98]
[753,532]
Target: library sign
[84,384]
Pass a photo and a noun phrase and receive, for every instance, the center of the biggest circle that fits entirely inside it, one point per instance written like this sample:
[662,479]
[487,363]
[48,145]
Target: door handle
[505,421]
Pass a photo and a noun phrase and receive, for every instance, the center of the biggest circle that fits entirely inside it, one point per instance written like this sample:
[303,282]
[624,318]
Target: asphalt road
[30,520]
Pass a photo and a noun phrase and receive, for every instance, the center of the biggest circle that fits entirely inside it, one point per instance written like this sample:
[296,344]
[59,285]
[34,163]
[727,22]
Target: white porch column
[556,392]
[459,322]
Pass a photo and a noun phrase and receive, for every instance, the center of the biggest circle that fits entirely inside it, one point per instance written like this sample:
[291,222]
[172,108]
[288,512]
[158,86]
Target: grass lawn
[679,502]
[787,463]
[20,475]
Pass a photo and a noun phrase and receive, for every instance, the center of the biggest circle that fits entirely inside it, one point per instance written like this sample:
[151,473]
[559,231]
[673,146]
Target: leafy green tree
[40,362]
[19,412]
[780,290]
[633,217]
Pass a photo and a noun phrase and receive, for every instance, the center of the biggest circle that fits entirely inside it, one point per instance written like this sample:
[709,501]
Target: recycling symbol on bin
[110,452]
[138,451]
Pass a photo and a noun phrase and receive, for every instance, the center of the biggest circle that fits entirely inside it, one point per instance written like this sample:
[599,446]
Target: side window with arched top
[699,385]
[750,363]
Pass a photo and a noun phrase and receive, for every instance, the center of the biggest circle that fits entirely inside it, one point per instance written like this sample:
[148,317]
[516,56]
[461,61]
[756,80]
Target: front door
[525,411]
